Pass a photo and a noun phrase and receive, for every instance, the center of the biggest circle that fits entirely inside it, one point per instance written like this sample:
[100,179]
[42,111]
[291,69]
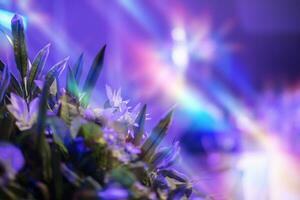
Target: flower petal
[11,158]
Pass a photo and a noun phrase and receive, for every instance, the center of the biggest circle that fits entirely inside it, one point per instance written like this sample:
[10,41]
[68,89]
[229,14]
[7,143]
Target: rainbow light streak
[169,82]
[198,106]
[5,19]
[192,102]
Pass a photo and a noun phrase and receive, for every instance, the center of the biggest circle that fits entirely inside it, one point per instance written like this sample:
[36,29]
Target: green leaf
[64,111]
[37,66]
[61,132]
[91,132]
[78,68]
[67,111]
[7,194]
[93,75]
[123,176]
[70,175]
[58,180]
[140,131]
[15,85]
[1,65]
[157,134]
[7,125]
[76,123]
[54,87]
[160,156]
[42,112]
[17,189]
[55,71]
[20,49]
[72,86]
[41,143]
[90,183]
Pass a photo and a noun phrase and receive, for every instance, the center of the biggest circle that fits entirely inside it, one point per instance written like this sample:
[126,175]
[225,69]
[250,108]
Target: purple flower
[11,159]
[166,156]
[113,193]
[130,148]
[24,114]
[89,114]
[110,136]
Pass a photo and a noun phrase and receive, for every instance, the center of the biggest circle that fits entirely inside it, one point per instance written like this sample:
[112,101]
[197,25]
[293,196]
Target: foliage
[55,146]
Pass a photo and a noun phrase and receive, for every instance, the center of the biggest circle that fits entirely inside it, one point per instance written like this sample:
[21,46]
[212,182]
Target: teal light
[5,19]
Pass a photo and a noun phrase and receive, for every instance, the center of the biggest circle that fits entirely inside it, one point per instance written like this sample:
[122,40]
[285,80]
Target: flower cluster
[55,146]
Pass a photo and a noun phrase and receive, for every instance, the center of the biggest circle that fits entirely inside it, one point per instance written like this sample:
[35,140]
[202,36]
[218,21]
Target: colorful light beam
[5,19]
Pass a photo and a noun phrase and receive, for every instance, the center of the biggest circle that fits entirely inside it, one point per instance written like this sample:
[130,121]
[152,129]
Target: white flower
[114,97]
[25,114]
[130,116]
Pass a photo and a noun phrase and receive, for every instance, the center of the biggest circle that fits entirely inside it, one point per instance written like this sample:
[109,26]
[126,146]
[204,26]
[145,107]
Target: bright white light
[180,51]
[254,168]
[178,34]
[180,56]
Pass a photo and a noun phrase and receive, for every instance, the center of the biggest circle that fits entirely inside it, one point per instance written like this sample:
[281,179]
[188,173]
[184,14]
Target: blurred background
[229,68]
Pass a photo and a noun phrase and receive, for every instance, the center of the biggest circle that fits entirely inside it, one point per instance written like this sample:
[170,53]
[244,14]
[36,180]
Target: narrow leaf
[78,68]
[93,75]
[41,143]
[140,131]
[5,193]
[160,156]
[55,71]
[42,110]
[15,85]
[72,86]
[37,66]
[60,130]
[1,65]
[71,176]
[171,173]
[180,192]
[58,180]
[20,49]
[5,80]
[156,137]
